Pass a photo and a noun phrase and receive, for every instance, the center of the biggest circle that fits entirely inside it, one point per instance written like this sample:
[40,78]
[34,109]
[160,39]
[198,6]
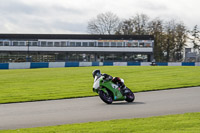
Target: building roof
[76,36]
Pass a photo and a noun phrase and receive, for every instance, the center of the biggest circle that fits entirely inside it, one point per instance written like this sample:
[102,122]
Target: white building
[75,47]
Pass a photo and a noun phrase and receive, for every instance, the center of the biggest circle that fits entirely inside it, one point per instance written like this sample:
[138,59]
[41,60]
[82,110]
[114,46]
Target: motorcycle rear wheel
[107,98]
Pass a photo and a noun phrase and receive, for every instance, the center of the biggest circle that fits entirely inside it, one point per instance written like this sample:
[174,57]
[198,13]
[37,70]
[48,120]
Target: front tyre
[105,97]
[130,97]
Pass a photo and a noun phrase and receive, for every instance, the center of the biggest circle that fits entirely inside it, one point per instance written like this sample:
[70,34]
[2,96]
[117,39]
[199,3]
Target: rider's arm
[107,77]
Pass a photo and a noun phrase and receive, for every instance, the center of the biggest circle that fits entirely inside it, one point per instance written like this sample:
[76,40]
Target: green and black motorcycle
[109,91]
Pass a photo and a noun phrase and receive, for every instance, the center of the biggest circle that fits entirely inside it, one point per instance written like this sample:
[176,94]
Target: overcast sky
[72,16]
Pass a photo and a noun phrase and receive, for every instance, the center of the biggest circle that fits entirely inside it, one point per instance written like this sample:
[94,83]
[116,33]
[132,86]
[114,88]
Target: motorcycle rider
[115,80]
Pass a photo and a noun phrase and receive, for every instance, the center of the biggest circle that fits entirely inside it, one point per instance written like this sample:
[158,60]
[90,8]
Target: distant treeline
[170,37]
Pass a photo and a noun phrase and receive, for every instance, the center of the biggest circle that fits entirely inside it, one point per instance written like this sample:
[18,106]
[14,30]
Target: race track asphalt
[58,112]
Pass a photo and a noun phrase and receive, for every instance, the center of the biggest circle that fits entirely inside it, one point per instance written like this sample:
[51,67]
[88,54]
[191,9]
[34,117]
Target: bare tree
[137,25]
[126,27]
[141,23]
[104,23]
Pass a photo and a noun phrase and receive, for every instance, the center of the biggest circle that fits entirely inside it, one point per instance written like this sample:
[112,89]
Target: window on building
[21,43]
[106,44]
[141,44]
[147,45]
[78,44]
[56,44]
[50,44]
[43,44]
[131,44]
[1,43]
[119,44]
[135,44]
[100,44]
[85,44]
[91,44]
[128,44]
[113,44]
[72,44]
[63,44]
[34,43]
[28,43]
[15,43]
[6,43]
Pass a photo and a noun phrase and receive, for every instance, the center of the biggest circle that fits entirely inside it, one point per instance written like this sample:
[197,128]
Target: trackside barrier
[174,64]
[28,65]
[108,63]
[72,64]
[40,65]
[133,64]
[24,65]
[188,64]
[145,63]
[119,63]
[4,65]
[56,64]
[95,63]
[162,64]
[81,64]
[197,63]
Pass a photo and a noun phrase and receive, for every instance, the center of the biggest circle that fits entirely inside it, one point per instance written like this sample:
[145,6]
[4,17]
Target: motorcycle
[109,91]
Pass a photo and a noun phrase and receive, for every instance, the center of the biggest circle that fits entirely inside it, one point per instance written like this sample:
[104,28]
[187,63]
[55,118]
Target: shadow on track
[126,103]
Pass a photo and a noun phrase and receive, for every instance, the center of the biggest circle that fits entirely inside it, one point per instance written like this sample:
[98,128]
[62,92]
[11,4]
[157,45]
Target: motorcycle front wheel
[130,97]
[105,97]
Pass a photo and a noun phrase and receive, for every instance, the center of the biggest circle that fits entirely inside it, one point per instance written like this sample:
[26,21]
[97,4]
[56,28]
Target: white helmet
[96,73]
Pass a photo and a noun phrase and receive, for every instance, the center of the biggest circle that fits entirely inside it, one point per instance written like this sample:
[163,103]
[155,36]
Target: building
[75,47]
[191,55]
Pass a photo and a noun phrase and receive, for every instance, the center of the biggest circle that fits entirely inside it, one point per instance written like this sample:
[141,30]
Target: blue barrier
[188,64]
[72,64]
[108,63]
[4,65]
[133,64]
[39,65]
[95,63]
[79,64]
[161,63]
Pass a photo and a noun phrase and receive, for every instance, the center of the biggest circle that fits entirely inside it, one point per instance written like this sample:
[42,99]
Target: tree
[137,25]
[126,27]
[195,38]
[180,42]
[104,23]
[175,37]
[141,23]
[169,37]
[155,27]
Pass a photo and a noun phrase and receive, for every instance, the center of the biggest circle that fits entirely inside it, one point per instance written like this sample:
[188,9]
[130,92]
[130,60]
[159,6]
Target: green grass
[58,83]
[183,123]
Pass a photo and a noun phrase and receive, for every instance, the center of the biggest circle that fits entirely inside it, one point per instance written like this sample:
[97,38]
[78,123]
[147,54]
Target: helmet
[96,73]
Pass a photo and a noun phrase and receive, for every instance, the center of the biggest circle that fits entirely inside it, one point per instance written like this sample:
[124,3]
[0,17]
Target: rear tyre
[107,98]
[130,97]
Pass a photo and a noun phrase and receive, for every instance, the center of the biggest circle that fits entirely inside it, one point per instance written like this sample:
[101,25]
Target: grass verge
[59,83]
[182,123]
